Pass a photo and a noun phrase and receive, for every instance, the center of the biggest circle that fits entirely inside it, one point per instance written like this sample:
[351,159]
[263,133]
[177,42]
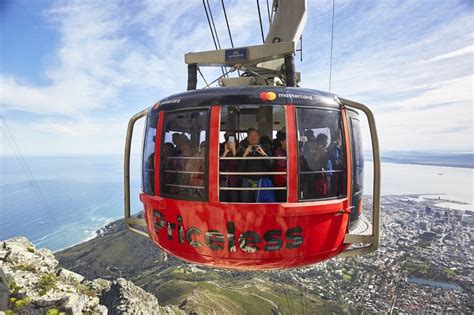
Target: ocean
[73,196]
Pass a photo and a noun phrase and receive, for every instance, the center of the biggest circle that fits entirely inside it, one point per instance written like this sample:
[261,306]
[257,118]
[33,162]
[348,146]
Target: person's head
[266,141]
[175,138]
[322,140]
[229,133]
[309,134]
[253,136]
[281,140]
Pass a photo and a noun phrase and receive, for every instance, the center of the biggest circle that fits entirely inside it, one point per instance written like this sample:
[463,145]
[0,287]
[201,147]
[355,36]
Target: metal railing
[253,173]
[129,221]
[320,172]
[374,238]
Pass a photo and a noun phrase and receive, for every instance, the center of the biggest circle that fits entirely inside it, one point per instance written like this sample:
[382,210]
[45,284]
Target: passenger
[182,159]
[255,149]
[266,143]
[336,157]
[150,168]
[167,165]
[228,135]
[177,139]
[309,134]
[276,142]
[280,166]
[228,149]
[195,169]
[316,160]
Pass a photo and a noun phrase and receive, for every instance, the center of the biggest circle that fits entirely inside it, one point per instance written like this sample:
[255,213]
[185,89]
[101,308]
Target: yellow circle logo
[268,96]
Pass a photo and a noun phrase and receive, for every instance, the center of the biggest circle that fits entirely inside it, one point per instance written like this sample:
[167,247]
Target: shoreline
[447,165]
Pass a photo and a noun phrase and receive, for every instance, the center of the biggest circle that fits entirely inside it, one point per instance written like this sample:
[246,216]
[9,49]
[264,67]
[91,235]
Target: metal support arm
[374,237]
[129,221]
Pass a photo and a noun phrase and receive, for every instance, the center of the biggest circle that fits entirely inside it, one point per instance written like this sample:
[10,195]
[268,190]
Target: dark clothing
[229,180]
[248,165]
[248,195]
[280,166]
[280,180]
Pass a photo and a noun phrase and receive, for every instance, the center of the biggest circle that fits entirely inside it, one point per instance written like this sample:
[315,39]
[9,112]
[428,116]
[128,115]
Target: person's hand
[230,146]
[248,150]
[260,151]
[224,154]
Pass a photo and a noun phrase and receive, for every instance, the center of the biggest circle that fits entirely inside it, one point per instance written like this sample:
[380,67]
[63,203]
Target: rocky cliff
[33,282]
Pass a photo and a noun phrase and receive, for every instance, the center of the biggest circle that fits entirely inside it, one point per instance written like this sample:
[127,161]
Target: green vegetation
[14,288]
[178,270]
[346,277]
[173,292]
[427,270]
[46,283]
[82,288]
[26,267]
[449,272]
[31,249]
[16,304]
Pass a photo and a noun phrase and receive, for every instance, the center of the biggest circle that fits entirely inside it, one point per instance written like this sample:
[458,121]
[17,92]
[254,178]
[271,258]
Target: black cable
[228,28]
[214,25]
[210,27]
[24,165]
[202,76]
[332,44]
[260,19]
[209,22]
[223,75]
[227,22]
[268,12]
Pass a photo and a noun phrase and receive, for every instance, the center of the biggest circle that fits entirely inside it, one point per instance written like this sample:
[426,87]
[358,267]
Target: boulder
[32,282]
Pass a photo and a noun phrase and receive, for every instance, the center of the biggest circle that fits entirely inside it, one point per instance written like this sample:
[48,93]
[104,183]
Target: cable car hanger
[214,198]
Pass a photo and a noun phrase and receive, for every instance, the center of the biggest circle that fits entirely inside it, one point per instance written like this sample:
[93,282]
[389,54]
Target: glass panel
[184,155]
[358,169]
[148,167]
[321,155]
[252,154]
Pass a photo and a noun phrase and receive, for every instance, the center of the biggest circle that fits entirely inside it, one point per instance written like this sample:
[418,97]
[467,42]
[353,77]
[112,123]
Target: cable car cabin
[254,177]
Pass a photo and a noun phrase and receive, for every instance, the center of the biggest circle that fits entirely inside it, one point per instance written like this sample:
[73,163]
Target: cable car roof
[241,95]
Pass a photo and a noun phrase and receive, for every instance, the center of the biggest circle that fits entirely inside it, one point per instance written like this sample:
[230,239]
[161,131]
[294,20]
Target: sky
[73,72]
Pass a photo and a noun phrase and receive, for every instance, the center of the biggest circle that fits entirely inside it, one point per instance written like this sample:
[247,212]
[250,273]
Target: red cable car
[253,175]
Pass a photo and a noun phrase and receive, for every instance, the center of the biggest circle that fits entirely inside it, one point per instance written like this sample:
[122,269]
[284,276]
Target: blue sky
[73,72]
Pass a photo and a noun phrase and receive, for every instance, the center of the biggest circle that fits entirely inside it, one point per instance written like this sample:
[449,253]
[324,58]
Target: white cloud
[469,50]
[114,58]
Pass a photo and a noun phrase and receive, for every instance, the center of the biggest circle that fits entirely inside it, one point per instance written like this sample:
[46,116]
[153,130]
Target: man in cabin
[255,149]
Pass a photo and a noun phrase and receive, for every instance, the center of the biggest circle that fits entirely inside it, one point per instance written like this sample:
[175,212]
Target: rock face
[32,282]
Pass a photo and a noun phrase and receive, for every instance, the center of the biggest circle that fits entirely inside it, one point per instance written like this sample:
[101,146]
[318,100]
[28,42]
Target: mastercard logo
[268,96]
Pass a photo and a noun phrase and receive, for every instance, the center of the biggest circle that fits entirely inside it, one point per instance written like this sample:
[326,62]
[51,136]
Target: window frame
[207,110]
[283,107]
[343,145]
[356,142]
[144,147]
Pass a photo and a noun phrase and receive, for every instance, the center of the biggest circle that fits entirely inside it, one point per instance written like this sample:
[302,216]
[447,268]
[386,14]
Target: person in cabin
[280,166]
[229,149]
[254,149]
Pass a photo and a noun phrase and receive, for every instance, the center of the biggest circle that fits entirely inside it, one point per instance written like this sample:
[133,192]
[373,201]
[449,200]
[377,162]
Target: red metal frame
[276,235]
